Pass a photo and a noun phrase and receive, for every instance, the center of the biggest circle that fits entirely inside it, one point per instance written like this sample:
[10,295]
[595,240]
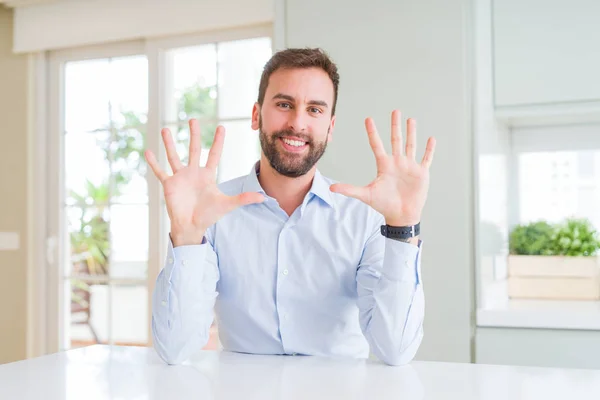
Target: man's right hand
[194,202]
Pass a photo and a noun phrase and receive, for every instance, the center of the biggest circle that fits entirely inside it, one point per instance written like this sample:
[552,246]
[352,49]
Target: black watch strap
[401,232]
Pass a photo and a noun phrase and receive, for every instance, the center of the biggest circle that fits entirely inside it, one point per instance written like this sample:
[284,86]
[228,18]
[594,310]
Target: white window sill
[499,311]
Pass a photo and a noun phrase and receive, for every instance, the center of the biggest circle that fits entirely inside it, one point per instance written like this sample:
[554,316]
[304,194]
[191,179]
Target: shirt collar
[320,186]
[251,183]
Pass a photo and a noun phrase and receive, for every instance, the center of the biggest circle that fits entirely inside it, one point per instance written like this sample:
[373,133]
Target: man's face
[295,122]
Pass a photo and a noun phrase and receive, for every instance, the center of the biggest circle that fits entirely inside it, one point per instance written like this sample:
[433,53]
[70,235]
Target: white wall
[546,51]
[14,184]
[413,56]
[69,24]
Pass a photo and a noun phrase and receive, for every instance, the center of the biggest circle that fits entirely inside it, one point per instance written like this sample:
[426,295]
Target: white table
[105,372]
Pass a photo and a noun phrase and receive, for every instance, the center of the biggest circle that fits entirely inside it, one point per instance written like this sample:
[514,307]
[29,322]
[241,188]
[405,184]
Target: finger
[172,155]
[357,192]
[396,134]
[375,141]
[411,138]
[194,143]
[429,151]
[153,163]
[217,148]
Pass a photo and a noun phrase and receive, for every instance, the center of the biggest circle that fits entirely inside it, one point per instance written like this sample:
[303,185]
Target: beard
[286,163]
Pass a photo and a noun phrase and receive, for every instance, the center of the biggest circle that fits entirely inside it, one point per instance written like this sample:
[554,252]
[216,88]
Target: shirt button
[170,260]
[164,303]
[184,262]
[285,272]
[285,316]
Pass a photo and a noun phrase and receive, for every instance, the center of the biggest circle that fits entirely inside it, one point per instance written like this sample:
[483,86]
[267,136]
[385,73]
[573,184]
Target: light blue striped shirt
[323,281]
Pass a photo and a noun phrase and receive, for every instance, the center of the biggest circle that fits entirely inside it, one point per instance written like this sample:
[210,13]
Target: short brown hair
[299,58]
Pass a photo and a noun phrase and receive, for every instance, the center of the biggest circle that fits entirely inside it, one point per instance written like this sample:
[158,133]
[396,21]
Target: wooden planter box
[553,278]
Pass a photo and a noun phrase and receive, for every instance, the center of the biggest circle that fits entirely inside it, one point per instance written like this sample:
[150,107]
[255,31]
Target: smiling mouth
[294,142]
[293,145]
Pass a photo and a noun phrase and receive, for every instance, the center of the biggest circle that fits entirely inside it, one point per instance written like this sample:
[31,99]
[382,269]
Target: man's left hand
[400,189]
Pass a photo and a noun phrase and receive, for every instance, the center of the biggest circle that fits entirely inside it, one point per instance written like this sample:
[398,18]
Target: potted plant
[555,262]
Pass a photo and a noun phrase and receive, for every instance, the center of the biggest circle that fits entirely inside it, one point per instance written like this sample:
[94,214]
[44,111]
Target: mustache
[289,132]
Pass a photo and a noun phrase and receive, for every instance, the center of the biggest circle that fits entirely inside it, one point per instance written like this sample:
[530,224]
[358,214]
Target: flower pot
[553,277]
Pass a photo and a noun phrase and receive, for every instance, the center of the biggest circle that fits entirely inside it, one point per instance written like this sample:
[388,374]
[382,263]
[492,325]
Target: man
[293,263]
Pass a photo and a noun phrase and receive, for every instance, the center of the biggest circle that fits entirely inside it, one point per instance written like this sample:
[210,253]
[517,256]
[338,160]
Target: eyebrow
[290,98]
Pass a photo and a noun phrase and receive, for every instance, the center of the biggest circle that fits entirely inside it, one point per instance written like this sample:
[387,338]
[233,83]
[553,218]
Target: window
[105,208]
[544,173]
[106,213]
[558,185]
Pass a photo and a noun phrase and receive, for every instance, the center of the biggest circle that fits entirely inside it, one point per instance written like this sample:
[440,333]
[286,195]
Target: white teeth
[296,143]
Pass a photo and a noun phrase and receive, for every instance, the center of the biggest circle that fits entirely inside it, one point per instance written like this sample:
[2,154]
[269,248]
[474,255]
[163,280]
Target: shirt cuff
[184,256]
[402,261]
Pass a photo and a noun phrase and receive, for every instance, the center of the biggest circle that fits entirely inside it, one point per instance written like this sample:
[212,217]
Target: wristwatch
[401,232]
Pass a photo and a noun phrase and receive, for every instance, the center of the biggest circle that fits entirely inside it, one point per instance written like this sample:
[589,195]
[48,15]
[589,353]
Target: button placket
[281,310]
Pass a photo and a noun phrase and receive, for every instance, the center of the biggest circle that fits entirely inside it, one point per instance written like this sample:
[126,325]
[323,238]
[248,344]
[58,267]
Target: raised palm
[400,189]
[193,199]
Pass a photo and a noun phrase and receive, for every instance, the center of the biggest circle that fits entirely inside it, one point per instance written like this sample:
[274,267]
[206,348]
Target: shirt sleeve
[183,301]
[390,298]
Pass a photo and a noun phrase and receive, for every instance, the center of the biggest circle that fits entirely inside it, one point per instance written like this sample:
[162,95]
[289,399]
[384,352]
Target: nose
[298,121]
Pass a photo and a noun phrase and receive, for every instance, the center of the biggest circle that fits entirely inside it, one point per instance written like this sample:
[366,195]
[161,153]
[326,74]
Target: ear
[331,127]
[255,116]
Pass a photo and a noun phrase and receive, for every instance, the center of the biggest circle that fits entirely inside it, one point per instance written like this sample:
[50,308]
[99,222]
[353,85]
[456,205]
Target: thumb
[246,198]
[357,192]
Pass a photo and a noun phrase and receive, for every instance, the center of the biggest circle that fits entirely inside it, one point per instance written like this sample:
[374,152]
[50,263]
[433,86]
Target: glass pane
[181,136]
[87,86]
[240,150]
[129,317]
[207,133]
[555,185]
[129,239]
[88,230]
[128,78]
[190,83]
[240,66]
[87,317]
[86,167]
[129,167]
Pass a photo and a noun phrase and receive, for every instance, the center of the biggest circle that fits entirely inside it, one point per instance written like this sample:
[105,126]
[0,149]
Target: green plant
[531,239]
[575,237]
